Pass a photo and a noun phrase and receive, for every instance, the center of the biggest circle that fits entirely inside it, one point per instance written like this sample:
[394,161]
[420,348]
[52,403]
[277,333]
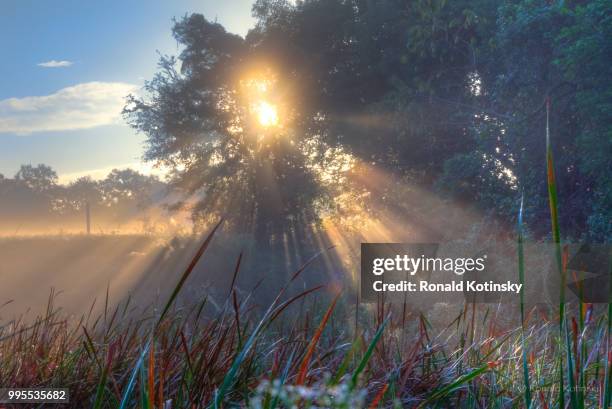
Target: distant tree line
[445,95]
[34,200]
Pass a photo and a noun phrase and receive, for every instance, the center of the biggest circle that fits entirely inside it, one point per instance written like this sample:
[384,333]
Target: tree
[584,56]
[84,190]
[31,192]
[124,187]
[225,125]
[445,95]
[81,192]
[544,50]
[41,178]
[323,65]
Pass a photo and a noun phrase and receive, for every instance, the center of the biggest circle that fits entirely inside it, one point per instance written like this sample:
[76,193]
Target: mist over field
[131,235]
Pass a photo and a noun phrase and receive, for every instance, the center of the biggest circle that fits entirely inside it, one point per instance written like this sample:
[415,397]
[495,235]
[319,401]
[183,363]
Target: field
[308,349]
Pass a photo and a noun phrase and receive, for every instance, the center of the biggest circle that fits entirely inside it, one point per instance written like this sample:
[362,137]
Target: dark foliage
[447,95]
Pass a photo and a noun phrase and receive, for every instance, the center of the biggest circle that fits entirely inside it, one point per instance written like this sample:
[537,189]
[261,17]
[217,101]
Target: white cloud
[55,64]
[146,168]
[81,106]
[95,174]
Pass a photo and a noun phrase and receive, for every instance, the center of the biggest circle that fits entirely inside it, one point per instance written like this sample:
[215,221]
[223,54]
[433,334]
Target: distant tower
[87,217]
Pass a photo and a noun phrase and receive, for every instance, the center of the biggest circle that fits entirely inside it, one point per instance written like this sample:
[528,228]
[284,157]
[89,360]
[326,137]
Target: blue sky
[65,67]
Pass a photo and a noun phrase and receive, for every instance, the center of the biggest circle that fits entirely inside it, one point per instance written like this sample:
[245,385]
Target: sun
[259,90]
[267,114]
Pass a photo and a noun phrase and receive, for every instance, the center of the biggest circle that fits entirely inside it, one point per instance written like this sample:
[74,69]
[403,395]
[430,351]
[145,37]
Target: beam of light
[80,269]
[374,205]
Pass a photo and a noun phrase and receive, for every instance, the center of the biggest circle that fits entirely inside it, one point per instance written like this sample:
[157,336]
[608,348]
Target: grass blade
[521,268]
[554,219]
[187,272]
[345,362]
[369,352]
[130,386]
[102,384]
[379,397]
[151,376]
[313,343]
[607,385]
[144,399]
[440,393]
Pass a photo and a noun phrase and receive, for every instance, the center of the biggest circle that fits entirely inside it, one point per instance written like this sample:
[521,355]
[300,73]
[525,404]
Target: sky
[66,67]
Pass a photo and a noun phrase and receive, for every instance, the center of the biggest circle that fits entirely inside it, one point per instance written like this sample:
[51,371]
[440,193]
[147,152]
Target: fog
[139,245]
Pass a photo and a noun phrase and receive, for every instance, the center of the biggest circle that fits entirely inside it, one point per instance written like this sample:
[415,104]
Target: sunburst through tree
[231,127]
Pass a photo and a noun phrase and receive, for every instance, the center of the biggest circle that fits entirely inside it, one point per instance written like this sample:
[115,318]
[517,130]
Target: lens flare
[266,113]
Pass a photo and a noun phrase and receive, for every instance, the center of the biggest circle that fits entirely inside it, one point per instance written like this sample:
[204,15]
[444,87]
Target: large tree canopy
[540,50]
[224,123]
[446,95]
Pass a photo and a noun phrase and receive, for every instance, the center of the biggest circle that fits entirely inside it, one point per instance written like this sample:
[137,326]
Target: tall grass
[198,359]
[521,270]
[556,235]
